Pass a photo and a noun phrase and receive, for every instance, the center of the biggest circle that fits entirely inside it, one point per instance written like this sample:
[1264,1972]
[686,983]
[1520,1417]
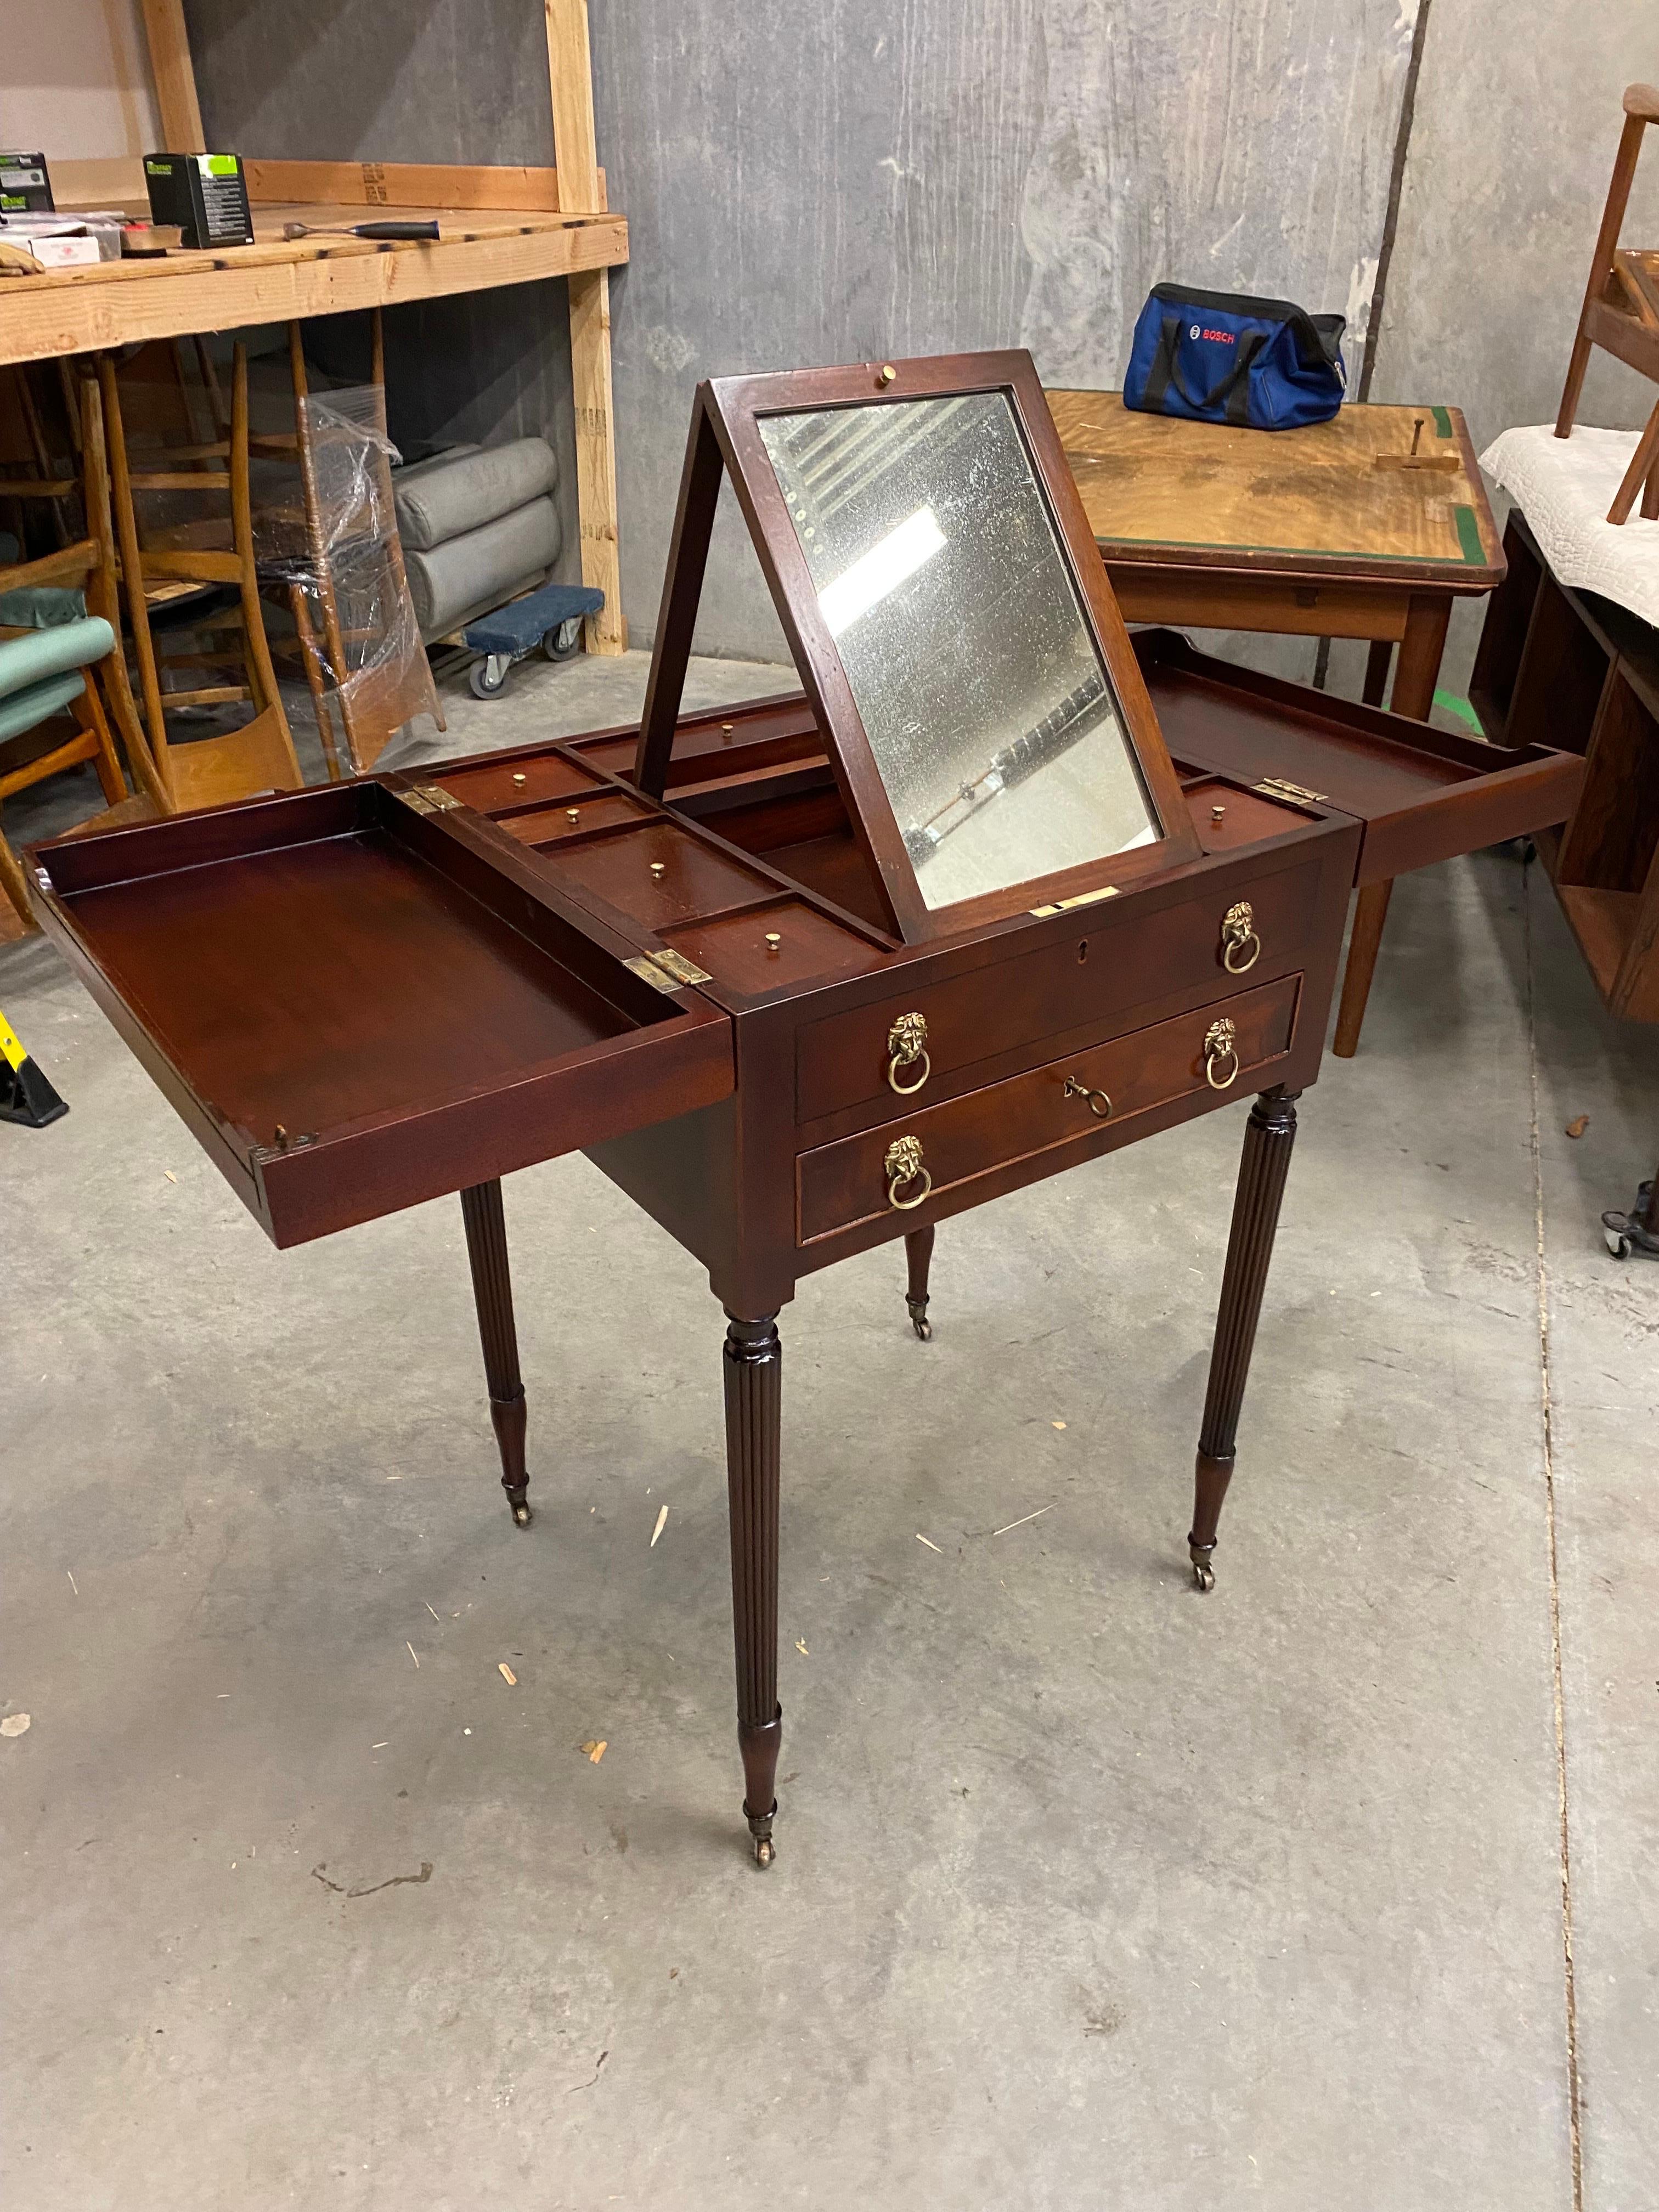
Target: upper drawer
[1215,1051]
[1110,963]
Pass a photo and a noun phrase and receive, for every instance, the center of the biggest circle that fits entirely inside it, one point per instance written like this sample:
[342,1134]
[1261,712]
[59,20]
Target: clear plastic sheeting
[340,556]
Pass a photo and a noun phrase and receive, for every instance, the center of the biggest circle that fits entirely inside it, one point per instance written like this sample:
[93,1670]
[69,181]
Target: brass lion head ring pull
[907,1047]
[902,1167]
[1221,1050]
[1099,1104]
[1241,948]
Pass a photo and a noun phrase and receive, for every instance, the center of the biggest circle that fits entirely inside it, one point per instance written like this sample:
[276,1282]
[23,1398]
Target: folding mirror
[954,629]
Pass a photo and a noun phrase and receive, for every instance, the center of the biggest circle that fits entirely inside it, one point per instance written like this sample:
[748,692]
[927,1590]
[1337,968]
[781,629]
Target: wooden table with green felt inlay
[1366,526]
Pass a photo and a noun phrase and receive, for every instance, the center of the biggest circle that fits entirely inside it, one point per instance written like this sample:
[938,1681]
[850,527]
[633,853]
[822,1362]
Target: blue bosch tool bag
[1224,357]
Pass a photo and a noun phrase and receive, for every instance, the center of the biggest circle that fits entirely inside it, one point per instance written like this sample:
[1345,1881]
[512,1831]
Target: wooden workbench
[70,311]
[1366,526]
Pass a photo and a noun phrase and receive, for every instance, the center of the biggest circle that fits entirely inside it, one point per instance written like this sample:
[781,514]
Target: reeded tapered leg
[754,1400]
[1268,1137]
[492,1287]
[919,1252]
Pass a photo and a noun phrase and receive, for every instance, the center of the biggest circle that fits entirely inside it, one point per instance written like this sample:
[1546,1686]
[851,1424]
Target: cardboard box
[205,194]
[25,185]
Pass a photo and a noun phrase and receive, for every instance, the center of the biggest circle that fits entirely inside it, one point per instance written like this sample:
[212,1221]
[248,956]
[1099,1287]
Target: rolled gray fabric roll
[481,567]
[452,493]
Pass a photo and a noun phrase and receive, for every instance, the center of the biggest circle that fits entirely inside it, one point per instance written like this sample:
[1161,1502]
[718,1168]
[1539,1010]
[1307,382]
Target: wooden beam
[596,455]
[570,78]
[405,184]
[46,315]
[174,75]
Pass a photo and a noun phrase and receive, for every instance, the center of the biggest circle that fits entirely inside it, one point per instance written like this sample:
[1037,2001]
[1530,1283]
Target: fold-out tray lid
[356,1004]
[1421,794]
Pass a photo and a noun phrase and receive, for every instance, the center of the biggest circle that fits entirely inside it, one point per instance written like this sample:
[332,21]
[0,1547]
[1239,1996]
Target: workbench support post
[754,1400]
[570,77]
[1268,1137]
[919,1252]
[492,1287]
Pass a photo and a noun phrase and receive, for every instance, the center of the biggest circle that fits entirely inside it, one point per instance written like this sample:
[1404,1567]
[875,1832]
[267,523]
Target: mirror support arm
[682,592]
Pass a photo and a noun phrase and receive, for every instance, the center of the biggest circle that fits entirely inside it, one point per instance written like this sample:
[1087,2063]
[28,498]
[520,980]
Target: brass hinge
[429,799]
[678,964]
[666,971]
[1083,898]
[1280,786]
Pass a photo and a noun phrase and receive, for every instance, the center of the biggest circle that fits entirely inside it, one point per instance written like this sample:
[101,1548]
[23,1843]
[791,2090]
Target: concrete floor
[1091,1891]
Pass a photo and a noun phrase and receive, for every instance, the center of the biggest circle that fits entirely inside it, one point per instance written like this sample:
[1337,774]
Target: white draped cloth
[1565,487]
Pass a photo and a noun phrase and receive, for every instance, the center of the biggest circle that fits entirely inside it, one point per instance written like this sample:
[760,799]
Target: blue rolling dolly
[551,618]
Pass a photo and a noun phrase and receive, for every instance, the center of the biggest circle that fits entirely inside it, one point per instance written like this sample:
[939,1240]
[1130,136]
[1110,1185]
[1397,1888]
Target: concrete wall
[1511,144]
[868,177]
[860,178]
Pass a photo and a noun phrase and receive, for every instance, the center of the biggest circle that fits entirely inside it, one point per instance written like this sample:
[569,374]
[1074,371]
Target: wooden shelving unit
[499,225]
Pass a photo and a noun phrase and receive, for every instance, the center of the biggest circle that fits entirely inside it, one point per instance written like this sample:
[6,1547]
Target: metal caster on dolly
[560,643]
[487,677]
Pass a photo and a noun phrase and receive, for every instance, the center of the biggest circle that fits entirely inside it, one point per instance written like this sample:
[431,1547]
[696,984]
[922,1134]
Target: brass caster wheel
[521,1513]
[1203,1570]
[765,1850]
[919,1320]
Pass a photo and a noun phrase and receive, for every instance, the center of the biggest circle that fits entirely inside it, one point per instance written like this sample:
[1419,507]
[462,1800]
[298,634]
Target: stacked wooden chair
[216,548]
[1620,312]
[59,639]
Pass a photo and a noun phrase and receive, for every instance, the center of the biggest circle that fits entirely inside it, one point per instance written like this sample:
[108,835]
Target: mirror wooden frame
[726,440]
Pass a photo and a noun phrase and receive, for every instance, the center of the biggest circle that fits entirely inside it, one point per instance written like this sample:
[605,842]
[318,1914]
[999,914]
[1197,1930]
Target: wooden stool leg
[89,712]
[492,1288]
[1644,464]
[1369,913]
[754,1400]
[919,1252]
[1268,1137]
[1377,671]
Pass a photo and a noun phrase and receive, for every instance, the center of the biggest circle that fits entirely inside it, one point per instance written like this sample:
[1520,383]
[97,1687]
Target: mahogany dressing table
[816,973]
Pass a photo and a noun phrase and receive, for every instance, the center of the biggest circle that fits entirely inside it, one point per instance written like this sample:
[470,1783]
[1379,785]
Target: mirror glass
[941,580]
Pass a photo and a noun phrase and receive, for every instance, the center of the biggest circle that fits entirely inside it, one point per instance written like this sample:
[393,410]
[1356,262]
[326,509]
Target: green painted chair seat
[23,709]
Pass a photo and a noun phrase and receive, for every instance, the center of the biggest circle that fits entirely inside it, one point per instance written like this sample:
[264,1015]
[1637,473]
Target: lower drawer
[904,1163]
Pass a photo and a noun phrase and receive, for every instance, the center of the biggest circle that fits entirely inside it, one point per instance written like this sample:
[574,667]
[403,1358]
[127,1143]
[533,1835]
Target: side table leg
[754,1400]
[1415,675]
[1268,1137]
[1371,912]
[1376,672]
[919,1253]
[492,1288]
